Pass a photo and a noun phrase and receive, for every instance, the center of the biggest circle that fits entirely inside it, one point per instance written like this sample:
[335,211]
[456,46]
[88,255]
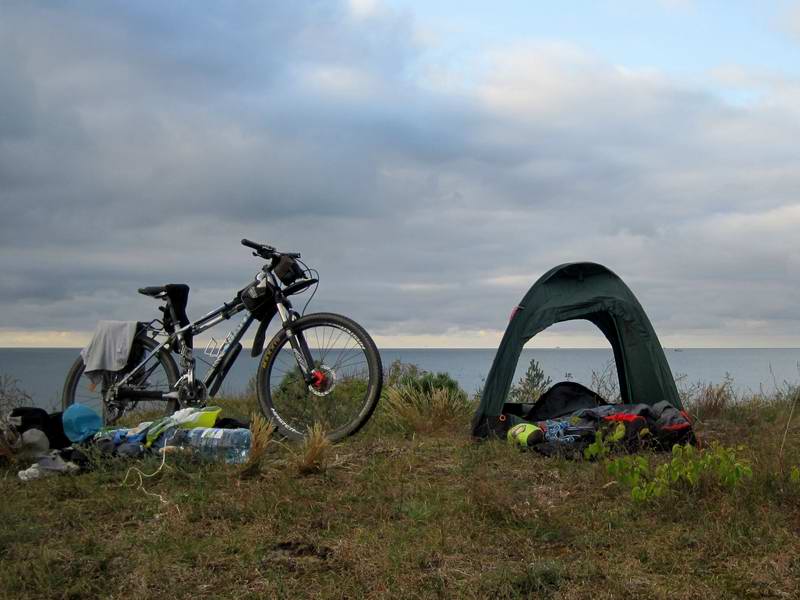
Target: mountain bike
[318,368]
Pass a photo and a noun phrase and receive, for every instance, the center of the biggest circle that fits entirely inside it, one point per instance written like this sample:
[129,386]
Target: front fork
[302,353]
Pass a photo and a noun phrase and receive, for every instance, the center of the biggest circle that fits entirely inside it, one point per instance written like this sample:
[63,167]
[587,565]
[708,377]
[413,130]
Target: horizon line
[199,351]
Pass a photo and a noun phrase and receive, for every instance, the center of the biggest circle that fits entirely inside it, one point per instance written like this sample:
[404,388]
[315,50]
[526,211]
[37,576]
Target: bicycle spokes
[334,389]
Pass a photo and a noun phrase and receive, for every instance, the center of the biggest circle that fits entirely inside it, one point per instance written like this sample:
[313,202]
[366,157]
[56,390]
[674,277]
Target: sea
[40,372]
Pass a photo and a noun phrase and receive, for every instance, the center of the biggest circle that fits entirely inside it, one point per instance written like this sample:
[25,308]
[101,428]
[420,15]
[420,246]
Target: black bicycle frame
[230,352]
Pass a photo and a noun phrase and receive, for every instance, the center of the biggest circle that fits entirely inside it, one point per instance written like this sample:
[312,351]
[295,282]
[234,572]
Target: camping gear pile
[568,416]
[60,443]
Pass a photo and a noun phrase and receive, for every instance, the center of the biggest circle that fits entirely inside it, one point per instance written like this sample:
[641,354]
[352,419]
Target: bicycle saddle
[158,290]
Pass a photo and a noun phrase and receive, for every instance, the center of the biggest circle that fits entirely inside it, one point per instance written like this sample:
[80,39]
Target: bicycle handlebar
[267,251]
[256,246]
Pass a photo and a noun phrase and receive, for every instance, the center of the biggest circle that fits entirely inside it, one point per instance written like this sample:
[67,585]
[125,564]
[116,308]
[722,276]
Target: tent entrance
[575,351]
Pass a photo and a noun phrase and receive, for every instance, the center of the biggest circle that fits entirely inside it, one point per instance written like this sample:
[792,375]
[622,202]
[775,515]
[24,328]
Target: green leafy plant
[794,476]
[602,444]
[686,469]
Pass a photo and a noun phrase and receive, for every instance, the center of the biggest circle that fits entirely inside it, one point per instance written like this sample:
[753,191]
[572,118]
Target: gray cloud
[139,142]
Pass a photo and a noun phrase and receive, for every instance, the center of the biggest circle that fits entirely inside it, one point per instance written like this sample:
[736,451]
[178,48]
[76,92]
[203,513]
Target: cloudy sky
[431,159]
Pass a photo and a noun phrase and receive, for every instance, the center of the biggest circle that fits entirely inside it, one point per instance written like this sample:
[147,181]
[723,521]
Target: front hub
[323,380]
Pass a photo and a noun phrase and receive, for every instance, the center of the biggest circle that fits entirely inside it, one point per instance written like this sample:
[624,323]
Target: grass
[410,410]
[261,432]
[314,452]
[428,515]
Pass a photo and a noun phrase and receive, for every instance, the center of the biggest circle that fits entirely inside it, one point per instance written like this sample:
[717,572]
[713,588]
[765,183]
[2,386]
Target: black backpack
[29,417]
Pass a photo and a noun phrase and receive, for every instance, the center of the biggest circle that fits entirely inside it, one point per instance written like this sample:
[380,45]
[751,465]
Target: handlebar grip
[251,244]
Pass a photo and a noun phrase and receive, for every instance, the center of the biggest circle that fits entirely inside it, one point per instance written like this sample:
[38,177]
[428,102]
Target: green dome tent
[582,291]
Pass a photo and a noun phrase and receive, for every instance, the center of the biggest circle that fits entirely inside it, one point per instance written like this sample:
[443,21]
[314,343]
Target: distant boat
[677,350]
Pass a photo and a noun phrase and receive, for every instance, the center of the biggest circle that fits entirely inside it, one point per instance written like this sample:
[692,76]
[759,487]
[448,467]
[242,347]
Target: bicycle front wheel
[347,378]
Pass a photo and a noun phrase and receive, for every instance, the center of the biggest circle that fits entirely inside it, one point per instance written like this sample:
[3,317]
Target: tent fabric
[594,293]
[563,398]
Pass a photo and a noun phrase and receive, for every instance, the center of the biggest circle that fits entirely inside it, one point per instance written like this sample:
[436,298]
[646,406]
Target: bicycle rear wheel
[347,378]
[159,374]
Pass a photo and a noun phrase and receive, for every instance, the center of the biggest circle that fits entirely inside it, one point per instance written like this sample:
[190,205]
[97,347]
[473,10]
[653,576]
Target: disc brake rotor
[324,380]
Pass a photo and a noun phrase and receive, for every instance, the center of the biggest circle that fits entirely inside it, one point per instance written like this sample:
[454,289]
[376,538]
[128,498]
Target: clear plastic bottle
[230,445]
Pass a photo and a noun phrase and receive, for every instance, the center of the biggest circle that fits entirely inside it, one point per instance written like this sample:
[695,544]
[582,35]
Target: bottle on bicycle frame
[319,368]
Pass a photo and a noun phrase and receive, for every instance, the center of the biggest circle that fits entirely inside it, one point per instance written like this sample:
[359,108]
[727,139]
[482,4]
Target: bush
[411,376]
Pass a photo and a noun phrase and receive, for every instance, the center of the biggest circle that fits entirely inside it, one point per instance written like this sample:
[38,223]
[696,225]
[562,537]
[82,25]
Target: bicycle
[318,368]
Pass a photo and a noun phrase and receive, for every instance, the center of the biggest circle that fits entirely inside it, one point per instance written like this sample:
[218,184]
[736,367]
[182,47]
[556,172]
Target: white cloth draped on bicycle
[109,348]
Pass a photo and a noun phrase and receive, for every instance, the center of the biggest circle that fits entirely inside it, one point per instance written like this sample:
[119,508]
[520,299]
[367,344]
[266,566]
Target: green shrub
[531,386]
[399,373]
[686,470]
[411,376]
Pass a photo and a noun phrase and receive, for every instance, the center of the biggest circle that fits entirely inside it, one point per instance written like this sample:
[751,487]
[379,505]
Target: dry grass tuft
[261,432]
[11,396]
[314,454]
[712,400]
[8,442]
[606,382]
[412,410]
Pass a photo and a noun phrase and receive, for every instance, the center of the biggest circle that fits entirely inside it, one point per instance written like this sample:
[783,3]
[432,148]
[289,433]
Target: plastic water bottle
[230,445]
